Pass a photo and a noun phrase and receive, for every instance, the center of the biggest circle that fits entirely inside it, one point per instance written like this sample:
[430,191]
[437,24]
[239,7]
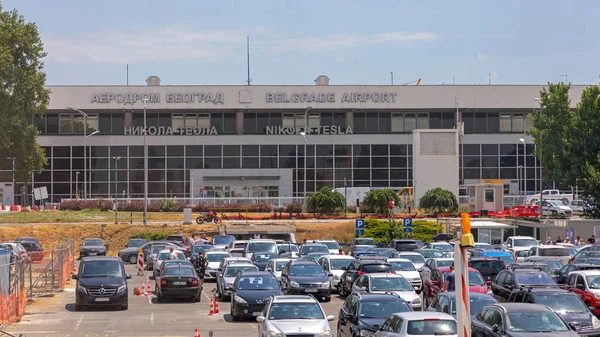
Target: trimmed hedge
[124,205]
[379,230]
[150,236]
[239,208]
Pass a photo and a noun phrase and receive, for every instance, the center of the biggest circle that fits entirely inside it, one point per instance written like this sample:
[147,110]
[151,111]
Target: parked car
[407,269]
[284,248]
[252,289]
[314,256]
[546,252]
[261,259]
[306,277]
[312,248]
[178,238]
[226,279]
[509,280]
[289,315]
[404,245]
[386,252]
[178,281]
[360,311]
[565,303]
[27,239]
[236,244]
[417,259]
[164,255]
[578,206]
[483,246]
[534,266]
[563,273]
[519,319]
[276,266]
[136,243]
[434,284]
[167,263]
[35,252]
[214,258]
[332,245]
[336,265]
[221,241]
[358,268]
[435,263]
[18,251]
[382,283]
[586,284]
[487,267]
[446,302]
[92,247]
[405,324]
[506,257]
[441,246]
[362,242]
[429,253]
[101,281]
[260,246]
[555,207]
[520,242]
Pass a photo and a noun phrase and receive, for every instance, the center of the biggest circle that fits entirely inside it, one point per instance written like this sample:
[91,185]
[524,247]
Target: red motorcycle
[209,217]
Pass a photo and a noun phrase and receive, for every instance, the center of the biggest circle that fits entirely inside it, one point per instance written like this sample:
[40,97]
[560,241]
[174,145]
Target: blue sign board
[407,222]
[360,223]
[360,231]
[407,229]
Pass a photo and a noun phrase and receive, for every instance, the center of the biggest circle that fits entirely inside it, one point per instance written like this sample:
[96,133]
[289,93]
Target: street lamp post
[77,185]
[539,100]
[85,137]
[303,134]
[116,205]
[345,198]
[145,167]
[519,180]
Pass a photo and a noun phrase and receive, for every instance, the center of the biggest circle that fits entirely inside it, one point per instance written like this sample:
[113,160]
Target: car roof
[525,271]
[177,265]
[92,239]
[326,240]
[215,252]
[399,259]
[261,240]
[377,297]
[447,269]
[294,299]
[418,315]
[587,272]
[494,252]
[550,291]
[520,307]
[101,258]
[440,243]
[384,275]
[551,246]
[303,262]
[522,237]
[472,295]
[257,273]
[340,257]
[280,259]
[411,253]
[168,251]
[441,258]
[240,264]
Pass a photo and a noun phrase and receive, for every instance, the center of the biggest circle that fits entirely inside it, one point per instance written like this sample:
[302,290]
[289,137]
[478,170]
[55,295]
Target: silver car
[335,264]
[293,315]
[276,266]
[226,279]
[405,324]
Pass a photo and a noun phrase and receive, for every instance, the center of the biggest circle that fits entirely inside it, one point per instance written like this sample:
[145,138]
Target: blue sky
[292,42]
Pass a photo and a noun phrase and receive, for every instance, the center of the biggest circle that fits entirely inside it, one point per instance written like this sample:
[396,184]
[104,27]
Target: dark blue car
[360,312]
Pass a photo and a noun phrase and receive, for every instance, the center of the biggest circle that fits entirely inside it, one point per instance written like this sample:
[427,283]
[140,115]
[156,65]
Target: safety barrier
[39,274]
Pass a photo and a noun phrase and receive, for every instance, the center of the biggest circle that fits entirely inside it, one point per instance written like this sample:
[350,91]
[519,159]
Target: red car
[437,278]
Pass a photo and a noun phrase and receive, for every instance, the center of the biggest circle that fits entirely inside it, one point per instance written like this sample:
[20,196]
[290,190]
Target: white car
[422,324]
[520,253]
[578,206]
[381,283]
[237,244]
[294,315]
[227,278]
[332,245]
[260,246]
[435,263]
[163,255]
[549,252]
[276,266]
[441,246]
[555,207]
[407,269]
[214,260]
[335,264]
[520,242]
[417,259]
[483,246]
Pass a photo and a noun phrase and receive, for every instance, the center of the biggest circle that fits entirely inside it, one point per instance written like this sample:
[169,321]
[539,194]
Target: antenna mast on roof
[248,58]
[128,75]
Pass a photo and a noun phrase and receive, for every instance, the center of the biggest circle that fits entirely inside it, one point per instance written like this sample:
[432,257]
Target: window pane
[398,150]
[471,161]
[362,150]
[156,163]
[379,174]
[505,122]
[508,161]
[177,121]
[493,122]
[361,174]
[262,121]
[51,123]
[343,150]
[249,123]
[471,149]
[508,173]
[324,150]
[287,150]
[175,163]
[362,162]
[104,124]
[212,163]
[448,121]
[193,163]
[66,123]
[230,151]
[397,122]
[410,122]
[372,122]
[384,122]
[471,174]
[468,120]
[193,151]
[229,162]
[435,120]
[379,162]
[360,122]
[156,151]
[489,161]
[489,173]
[508,149]
[518,123]
[398,161]
[379,150]
[422,121]
[250,162]
[268,162]
[117,124]
[116,151]
[480,123]
[175,151]
[268,150]
[229,125]
[489,149]
[62,151]
[212,151]
[250,150]
[339,119]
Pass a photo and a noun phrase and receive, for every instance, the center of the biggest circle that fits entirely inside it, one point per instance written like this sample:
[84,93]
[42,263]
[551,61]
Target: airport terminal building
[275,141]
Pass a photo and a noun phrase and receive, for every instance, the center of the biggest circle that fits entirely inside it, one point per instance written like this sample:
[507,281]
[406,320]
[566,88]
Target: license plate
[101,299]
[178,283]
[256,313]
[311,290]
[92,254]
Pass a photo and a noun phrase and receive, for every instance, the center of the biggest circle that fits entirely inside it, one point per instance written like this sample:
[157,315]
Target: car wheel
[554,213]
[133,259]
[159,299]
[125,307]
[328,298]
[78,307]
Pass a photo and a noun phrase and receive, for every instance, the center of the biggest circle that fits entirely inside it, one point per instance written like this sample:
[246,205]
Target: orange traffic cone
[74,268]
[148,289]
[217,306]
[197,334]
[212,311]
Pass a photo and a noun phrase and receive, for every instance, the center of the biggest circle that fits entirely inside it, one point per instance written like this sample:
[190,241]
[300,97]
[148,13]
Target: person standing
[172,254]
[559,240]
[548,241]
[450,284]
[592,240]
[201,264]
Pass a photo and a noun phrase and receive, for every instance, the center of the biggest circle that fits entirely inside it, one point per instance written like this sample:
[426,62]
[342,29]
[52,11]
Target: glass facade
[359,162]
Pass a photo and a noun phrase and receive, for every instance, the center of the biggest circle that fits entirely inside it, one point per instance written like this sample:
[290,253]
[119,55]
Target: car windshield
[445,263]
[201,248]
[166,255]
[340,264]
[101,269]
[554,252]
[390,284]
[487,267]
[593,281]
[376,268]
[280,265]
[403,266]
[306,270]
[223,240]
[216,257]
[136,243]
[372,309]
[262,247]
[443,247]
[286,248]
[508,259]
[431,327]
[157,249]
[234,270]
[414,258]
[331,244]
[554,264]
[534,279]
[263,257]
[475,278]
[522,253]
[306,249]
[563,303]
[556,203]
[293,311]
[593,260]
[257,283]
[93,242]
[430,253]
[484,246]
[364,241]
[314,256]
[476,304]
[526,242]
[177,271]
[531,321]
[542,267]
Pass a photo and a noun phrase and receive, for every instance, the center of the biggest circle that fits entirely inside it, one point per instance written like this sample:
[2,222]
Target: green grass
[56,216]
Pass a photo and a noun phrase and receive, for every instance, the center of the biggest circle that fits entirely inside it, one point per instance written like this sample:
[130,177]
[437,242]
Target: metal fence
[272,201]
[38,274]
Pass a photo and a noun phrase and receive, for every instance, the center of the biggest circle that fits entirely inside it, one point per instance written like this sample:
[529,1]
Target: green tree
[22,93]
[376,201]
[438,200]
[325,201]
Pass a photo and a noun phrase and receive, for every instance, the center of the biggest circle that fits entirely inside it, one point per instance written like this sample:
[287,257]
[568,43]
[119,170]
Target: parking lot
[56,317]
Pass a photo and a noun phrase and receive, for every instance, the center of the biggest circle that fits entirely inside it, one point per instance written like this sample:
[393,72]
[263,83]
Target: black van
[101,281]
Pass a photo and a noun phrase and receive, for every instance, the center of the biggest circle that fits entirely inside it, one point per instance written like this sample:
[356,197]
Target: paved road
[56,317]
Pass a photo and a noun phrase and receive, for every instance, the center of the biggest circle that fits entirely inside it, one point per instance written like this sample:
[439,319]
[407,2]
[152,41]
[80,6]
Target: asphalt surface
[56,317]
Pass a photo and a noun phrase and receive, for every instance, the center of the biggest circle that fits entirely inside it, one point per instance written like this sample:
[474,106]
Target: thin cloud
[482,57]
[179,43]
[490,77]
